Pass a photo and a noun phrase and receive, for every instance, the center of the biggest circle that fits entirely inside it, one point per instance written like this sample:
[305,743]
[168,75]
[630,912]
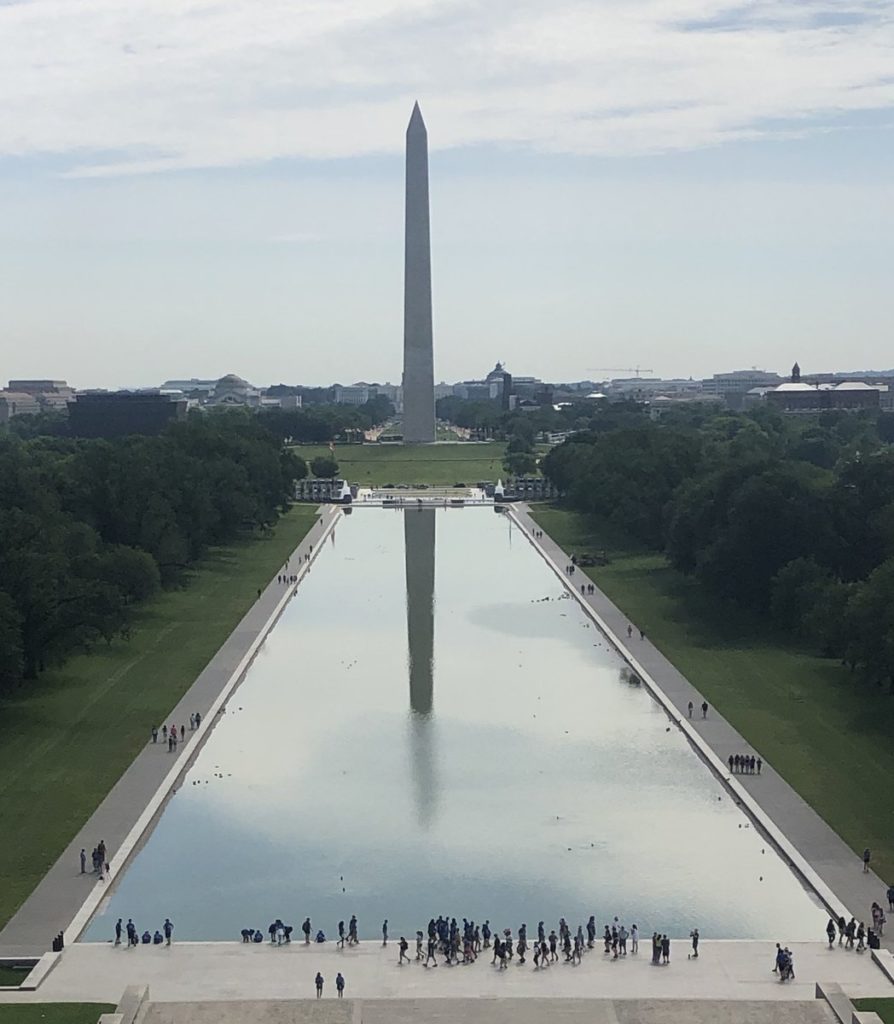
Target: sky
[197,187]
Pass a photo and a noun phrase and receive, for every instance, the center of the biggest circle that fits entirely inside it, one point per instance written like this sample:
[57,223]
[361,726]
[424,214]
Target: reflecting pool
[434,726]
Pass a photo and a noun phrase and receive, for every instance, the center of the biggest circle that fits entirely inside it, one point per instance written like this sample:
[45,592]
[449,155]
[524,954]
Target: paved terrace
[227,971]
[823,849]
[63,890]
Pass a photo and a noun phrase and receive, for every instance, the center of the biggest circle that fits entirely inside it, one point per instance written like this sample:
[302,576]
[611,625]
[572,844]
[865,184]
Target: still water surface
[434,726]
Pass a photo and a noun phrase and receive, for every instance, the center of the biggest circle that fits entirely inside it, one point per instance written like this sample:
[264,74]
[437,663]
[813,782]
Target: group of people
[785,963]
[98,857]
[463,943]
[849,932]
[587,588]
[148,938]
[172,736]
[745,764]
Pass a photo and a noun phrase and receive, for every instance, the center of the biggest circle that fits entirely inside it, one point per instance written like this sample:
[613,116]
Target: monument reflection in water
[419,558]
[534,782]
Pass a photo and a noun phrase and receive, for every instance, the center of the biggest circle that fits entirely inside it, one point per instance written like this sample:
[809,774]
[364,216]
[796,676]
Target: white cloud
[120,86]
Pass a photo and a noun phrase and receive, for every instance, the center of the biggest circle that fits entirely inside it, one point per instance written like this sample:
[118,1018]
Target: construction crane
[619,369]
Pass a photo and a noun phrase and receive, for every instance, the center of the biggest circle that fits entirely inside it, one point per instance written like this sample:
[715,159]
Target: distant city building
[354,394]
[50,394]
[118,413]
[477,390]
[17,403]
[799,396]
[232,390]
[735,386]
[195,387]
[287,402]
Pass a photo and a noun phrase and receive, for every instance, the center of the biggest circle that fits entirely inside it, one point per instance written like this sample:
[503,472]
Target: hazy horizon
[193,189]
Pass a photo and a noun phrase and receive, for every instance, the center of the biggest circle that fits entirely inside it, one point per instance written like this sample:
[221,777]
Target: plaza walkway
[230,971]
[63,890]
[823,849]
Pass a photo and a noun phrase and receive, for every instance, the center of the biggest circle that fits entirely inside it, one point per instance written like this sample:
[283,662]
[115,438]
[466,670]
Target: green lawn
[883,1007]
[438,465]
[823,729]
[66,739]
[53,1013]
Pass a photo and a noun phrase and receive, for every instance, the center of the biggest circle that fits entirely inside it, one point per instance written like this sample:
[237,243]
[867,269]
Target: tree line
[90,528]
[791,517]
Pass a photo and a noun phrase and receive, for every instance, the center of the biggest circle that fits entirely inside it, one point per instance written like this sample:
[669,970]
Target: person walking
[890,895]
[634,939]
[306,929]
[431,952]
[704,709]
[867,856]
[340,985]
[83,861]
[689,708]
[830,932]
[694,936]
[318,982]
[385,932]
[155,734]
[403,945]
[118,932]
[168,929]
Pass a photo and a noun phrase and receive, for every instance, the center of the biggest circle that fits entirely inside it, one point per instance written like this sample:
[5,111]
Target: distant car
[421,487]
[389,487]
[459,483]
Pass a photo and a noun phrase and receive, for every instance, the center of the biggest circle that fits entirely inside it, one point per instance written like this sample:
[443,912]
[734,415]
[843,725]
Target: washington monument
[418,379]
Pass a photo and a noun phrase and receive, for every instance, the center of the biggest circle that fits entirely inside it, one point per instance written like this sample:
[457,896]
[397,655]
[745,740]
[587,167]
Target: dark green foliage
[793,517]
[318,424]
[90,527]
[324,466]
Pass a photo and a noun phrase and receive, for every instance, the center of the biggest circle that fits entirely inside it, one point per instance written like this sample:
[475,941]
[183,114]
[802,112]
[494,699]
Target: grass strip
[439,465]
[66,738]
[883,1007]
[826,731]
[53,1013]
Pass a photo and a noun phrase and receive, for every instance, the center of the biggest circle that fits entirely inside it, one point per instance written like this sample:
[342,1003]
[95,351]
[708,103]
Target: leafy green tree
[520,463]
[324,466]
[871,624]
[12,662]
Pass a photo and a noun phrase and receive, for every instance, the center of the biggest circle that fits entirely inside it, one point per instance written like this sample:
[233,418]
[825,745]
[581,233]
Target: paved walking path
[63,890]
[823,849]
[227,971]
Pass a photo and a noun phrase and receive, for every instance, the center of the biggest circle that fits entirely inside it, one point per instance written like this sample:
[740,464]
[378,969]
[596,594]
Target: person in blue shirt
[157,938]
[340,985]
[168,930]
